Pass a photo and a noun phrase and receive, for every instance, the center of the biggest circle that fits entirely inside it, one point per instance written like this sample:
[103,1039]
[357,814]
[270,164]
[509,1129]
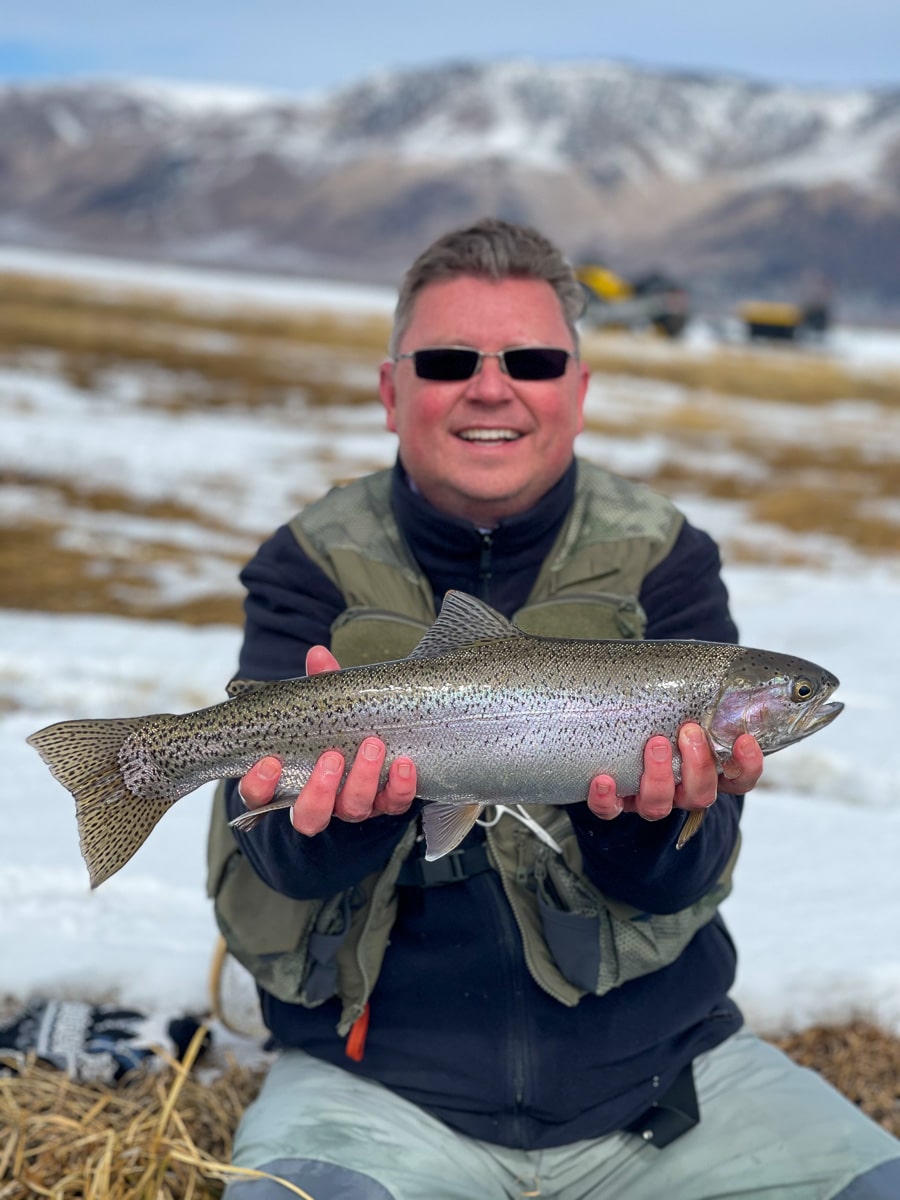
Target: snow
[683,125]
[196,99]
[540,114]
[816,904]
[147,935]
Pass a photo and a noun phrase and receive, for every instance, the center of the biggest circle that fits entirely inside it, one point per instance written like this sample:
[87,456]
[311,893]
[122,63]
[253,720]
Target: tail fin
[113,823]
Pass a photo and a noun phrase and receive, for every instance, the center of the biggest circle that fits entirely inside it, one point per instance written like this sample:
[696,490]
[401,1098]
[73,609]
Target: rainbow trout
[489,715]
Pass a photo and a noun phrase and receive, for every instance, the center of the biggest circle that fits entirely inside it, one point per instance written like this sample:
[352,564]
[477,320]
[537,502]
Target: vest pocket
[321,978]
[570,920]
[574,942]
[366,635]
[591,615]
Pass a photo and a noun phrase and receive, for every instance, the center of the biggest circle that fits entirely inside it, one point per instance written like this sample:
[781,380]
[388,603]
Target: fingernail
[655,812]
[602,790]
[269,769]
[695,736]
[659,752]
[332,763]
[371,750]
[404,771]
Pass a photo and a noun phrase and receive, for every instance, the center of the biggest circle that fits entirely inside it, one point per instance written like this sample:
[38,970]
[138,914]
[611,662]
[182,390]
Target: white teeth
[489,435]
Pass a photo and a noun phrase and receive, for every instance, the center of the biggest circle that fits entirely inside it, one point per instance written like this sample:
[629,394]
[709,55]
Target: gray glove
[89,1042]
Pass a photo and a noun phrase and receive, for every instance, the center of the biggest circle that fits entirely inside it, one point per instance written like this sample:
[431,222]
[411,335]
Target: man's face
[487,447]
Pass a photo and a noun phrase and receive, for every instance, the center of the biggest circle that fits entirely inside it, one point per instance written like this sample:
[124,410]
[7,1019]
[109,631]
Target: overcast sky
[296,46]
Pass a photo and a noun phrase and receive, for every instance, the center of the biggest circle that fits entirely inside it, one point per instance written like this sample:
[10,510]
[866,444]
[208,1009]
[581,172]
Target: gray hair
[496,250]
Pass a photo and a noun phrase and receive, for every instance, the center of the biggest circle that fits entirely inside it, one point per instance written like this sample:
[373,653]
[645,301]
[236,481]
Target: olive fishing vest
[575,939]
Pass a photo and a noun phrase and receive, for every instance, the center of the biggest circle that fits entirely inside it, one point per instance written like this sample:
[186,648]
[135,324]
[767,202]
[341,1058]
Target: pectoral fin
[252,817]
[445,826]
[690,827]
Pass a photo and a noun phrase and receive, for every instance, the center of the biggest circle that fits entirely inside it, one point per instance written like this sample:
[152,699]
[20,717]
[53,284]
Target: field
[826,473]
[151,437]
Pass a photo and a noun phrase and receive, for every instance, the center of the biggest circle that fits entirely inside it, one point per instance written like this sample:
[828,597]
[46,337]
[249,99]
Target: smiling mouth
[489,435]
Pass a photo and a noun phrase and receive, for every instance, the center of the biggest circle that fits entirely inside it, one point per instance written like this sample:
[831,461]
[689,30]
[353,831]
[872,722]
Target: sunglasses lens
[446,364]
[536,362]
[453,364]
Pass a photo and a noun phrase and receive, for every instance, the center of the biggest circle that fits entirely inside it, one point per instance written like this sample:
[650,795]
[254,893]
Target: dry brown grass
[788,374]
[220,358]
[17,288]
[817,508]
[858,1058]
[199,356]
[843,491]
[163,1135]
[40,573]
[259,352]
[168,1136]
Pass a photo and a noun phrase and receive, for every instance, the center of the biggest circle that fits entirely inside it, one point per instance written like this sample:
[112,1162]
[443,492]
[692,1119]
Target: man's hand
[322,797]
[700,782]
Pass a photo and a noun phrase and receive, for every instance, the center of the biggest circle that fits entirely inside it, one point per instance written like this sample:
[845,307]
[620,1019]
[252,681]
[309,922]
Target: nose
[490,382]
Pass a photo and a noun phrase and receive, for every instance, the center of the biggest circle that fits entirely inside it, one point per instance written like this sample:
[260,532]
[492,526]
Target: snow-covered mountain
[734,184]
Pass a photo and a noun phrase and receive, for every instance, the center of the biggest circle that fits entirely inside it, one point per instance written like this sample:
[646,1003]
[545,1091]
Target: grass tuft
[159,1135]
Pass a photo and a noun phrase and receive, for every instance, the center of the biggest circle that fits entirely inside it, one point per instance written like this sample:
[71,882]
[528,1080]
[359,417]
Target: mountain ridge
[737,185]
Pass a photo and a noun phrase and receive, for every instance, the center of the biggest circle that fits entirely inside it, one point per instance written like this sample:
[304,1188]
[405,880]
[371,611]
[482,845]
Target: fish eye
[803,688]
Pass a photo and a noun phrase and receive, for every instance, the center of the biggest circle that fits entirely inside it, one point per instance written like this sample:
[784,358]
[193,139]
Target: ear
[387,393]
[584,379]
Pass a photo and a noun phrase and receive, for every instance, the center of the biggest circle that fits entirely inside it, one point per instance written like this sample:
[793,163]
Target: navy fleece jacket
[457,1024]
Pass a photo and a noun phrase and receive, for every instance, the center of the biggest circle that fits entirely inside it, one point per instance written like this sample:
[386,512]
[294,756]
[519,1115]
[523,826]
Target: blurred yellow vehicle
[774,321]
[653,301]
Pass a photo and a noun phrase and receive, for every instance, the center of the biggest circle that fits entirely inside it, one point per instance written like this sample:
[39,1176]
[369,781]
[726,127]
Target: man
[508,1021]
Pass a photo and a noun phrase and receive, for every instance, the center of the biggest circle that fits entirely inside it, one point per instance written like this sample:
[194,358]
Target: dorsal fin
[237,687]
[462,621]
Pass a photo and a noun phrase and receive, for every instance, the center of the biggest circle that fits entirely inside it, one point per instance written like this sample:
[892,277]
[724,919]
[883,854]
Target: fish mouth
[825,715]
[813,722]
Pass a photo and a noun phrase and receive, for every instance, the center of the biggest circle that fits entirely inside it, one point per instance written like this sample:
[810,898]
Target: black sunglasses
[453,364]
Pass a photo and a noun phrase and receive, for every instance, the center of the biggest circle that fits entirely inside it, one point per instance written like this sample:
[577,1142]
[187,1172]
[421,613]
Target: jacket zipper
[517,1038]
[485,572]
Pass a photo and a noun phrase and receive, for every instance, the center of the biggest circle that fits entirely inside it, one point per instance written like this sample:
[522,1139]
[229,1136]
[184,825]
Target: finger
[314,807]
[699,770]
[357,796]
[399,790]
[602,798]
[656,794]
[258,786]
[319,659]
[742,771]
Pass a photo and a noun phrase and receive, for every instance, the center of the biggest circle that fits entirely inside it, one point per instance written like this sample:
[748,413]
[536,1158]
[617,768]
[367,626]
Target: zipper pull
[355,1046]
[484,567]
